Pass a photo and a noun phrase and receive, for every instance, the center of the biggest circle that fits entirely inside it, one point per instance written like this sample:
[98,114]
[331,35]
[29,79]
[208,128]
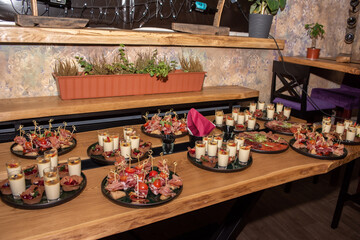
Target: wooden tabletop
[92,216]
[24,108]
[326,63]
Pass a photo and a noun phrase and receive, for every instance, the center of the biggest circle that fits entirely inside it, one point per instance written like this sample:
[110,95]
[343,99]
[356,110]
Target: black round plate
[154,200]
[264,118]
[159,135]
[276,131]
[345,142]
[306,153]
[64,197]
[234,167]
[257,127]
[101,160]
[60,151]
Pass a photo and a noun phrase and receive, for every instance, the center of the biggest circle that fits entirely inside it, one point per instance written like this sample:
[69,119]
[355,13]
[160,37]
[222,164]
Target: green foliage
[315,31]
[267,6]
[145,63]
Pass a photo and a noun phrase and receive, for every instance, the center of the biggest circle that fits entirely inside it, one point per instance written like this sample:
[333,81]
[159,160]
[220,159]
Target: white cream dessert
[108,144]
[134,142]
[102,134]
[42,164]
[13,165]
[223,158]
[115,139]
[340,128]
[244,154]
[231,148]
[235,112]
[17,183]
[125,149]
[219,141]
[239,141]
[52,154]
[219,117]
[326,127]
[252,107]
[261,106]
[347,123]
[270,112]
[287,112]
[251,123]
[52,184]
[241,118]
[279,107]
[199,149]
[74,166]
[127,133]
[350,134]
[247,115]
[206,140]
[212,148]
[229,121]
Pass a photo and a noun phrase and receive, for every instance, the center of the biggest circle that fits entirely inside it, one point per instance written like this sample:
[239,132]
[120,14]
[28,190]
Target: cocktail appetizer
[33,194]
[71,183]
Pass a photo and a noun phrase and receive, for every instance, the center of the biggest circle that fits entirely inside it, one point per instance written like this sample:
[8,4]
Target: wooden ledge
[93,36]
[36,107]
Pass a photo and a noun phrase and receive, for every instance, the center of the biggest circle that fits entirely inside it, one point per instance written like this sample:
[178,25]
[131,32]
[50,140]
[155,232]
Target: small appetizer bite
[33,194]
[5,187]
[39,181]
[31,171]
[63,170]
[71,183]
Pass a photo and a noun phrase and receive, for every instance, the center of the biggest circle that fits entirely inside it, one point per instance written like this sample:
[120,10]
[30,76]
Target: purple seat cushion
[309,107]
[345,97]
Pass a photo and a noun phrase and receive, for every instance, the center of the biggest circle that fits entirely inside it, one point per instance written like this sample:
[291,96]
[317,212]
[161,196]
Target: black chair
[294,78]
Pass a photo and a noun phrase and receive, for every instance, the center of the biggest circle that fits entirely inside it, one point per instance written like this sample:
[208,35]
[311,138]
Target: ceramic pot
[313,53]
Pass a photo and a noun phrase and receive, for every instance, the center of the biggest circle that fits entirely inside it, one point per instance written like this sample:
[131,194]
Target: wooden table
[92,216]
[326,63]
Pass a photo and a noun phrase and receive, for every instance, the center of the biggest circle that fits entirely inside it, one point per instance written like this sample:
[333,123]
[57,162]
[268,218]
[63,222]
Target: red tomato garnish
[28,145]
[130,170]
[143,186]
[157,183]
[139,167]
[146,124]
[123,178]
[141,177]
[153,173]
[163,175]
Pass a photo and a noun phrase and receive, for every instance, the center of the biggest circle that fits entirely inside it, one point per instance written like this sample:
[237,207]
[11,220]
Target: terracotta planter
[96,86]
[313,53]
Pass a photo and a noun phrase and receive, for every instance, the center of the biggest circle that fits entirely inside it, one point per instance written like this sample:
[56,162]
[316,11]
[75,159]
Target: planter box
[96,86]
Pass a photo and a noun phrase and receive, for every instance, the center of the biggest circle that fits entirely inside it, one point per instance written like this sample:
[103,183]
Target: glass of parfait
[74,166]
[223,158]
[234,113]
[52,154]
[134,141]
[42,163]
[17,182]
[114,136]
[244,154]
[261,106]
[219,117]
[125,149]
[102,134]
[13,164]
[52,183]
[252,107]
[200,149]
[270,110]
[128,131]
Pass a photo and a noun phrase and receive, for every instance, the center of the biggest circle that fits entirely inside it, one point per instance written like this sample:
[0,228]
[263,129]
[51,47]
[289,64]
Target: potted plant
[261,16]
[148,74]
[314,31]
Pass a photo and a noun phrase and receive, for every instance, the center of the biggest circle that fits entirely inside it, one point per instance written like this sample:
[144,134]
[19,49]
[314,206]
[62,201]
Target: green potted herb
[314,31]
[261,16]
[148,74]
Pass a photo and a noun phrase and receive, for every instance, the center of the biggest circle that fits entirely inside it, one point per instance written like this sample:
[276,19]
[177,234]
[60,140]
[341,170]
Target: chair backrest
[351,82]
[293,77]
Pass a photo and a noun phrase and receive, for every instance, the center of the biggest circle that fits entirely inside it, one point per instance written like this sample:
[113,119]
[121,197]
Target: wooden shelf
[35,107]
[34,35]
[326,63]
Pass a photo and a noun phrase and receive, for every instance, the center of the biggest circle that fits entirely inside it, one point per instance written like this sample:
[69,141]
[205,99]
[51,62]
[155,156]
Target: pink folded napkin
[197,124]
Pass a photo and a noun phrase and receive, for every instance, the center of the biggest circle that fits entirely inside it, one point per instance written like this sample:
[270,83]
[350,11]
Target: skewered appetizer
[168,124]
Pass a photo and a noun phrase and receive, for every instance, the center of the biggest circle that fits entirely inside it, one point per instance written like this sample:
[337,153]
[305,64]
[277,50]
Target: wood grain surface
[91,215]
[326,63]
[22,108]
[94,36]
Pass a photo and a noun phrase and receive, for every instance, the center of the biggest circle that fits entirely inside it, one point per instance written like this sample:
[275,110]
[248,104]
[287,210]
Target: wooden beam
[218,14]
[54,22]
[34,7]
